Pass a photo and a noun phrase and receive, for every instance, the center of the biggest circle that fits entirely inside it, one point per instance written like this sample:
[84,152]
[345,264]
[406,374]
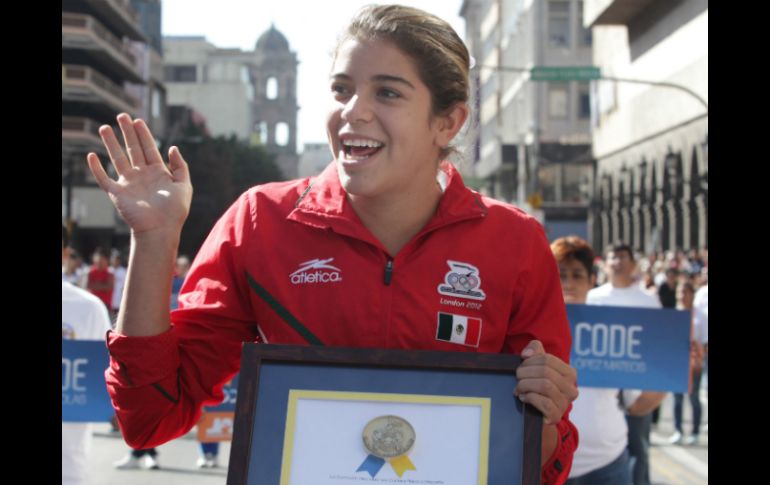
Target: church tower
[275,99]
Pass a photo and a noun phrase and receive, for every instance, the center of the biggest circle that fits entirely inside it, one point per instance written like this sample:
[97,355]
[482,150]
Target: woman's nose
[357,109]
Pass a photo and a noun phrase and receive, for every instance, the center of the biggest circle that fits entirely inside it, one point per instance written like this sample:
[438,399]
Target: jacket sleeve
[539,313]
[159,384]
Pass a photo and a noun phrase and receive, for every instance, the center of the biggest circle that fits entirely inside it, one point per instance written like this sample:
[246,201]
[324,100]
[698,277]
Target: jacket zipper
[388,272]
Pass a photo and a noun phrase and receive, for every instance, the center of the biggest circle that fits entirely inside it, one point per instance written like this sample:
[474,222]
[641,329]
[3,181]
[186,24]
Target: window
[156,103]
[558,100]
[585,33]
[489,44]
[575,180]
[261,132]
[282,134]
[271,90]
[181,74]
[558,23]
[548,178]
[584,101]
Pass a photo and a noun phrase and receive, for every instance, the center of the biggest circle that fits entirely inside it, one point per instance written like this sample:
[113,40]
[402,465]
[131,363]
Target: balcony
[81,134]
[91,39]
[613,12]
[117,15]
[86,85]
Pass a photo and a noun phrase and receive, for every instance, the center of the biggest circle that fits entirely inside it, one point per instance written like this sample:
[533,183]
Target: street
[671,465]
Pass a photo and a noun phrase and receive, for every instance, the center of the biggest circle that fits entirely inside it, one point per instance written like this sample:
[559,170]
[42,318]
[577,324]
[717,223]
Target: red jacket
[96,275]
[300,245]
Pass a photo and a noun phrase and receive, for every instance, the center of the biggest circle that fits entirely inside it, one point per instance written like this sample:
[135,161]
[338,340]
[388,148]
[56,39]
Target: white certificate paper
[323,443]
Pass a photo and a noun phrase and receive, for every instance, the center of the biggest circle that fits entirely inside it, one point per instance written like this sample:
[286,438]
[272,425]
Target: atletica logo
[316,271]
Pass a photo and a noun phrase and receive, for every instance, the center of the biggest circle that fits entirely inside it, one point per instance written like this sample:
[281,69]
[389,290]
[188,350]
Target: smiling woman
[380,250]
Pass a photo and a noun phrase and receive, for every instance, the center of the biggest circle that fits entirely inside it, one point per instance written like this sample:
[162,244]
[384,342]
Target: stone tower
[274,74]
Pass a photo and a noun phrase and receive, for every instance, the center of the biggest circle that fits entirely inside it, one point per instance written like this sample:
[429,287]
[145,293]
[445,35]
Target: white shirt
[120,281]
[83,317]
[631,296]
[596,413]
[601,427]
[700,307]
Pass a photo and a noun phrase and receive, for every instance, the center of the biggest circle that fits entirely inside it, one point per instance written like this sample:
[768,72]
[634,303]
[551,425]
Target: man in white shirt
[84,317]
[622,290]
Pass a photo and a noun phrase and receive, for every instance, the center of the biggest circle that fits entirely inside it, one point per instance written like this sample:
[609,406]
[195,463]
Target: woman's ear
[450,123]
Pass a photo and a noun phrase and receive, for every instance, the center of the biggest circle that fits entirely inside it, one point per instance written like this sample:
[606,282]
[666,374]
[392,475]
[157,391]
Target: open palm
[148,195]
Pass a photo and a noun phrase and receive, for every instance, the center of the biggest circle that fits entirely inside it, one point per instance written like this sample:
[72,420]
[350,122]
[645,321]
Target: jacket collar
[324,204]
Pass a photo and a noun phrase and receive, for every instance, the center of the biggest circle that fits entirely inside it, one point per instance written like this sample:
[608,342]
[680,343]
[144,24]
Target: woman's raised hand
[150,196]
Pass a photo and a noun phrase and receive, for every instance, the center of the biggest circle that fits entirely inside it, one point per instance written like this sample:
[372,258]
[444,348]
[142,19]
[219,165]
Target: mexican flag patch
[459,329]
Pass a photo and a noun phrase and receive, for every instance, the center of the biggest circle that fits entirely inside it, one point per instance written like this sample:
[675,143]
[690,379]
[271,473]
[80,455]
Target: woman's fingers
[546,382]
[552,411]
[139,142]
[565,383]
[179,169]
[104,181]
[133,145]
[117,155]
[538,365]
[149,148]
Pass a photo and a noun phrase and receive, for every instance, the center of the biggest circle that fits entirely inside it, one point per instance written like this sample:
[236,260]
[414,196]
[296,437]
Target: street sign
[564,73]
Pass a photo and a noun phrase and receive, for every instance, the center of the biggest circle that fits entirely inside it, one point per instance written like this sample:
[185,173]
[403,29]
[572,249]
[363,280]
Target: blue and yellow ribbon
[373,464]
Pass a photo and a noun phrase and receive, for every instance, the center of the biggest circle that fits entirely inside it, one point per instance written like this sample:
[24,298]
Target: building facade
[650,140]
[248,94]
[532,137]
[103,74]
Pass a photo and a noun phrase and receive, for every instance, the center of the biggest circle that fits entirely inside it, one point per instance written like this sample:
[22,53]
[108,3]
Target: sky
[310,26]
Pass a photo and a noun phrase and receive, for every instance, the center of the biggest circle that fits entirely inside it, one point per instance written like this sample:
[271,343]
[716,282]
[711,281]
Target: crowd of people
[104,278]
[671,267]
[615,424]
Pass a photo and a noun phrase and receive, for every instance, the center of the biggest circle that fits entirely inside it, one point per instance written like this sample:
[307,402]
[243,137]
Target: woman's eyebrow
[378,77]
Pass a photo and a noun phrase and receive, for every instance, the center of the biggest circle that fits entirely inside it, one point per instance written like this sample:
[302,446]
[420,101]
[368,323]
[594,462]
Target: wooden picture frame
[509,453]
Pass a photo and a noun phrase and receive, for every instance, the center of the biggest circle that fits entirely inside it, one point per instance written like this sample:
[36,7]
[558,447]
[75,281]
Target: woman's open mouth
[359,149]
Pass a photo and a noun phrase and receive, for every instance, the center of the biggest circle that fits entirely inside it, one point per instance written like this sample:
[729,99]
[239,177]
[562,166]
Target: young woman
[376,251]
[603,458]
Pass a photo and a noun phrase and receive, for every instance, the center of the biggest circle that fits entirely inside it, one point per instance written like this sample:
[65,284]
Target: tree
[221,169]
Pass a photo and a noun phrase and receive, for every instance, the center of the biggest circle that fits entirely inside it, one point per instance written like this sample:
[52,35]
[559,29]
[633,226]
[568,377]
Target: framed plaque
[327,416]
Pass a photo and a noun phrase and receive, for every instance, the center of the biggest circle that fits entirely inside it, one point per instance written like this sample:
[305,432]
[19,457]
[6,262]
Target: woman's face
[380,124]
[684,296]
[575,281]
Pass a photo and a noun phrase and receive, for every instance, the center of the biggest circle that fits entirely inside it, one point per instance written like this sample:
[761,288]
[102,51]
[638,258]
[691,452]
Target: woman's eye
[388,93]
[339,89]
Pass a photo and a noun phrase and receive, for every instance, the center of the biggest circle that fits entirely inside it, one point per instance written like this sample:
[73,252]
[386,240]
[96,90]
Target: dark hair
[573,248]
[101,252]
[441,58]
[65,237]
[616,248]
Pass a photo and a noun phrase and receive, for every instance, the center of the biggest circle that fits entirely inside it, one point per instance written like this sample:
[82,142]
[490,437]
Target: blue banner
[630,348]
[84,395]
